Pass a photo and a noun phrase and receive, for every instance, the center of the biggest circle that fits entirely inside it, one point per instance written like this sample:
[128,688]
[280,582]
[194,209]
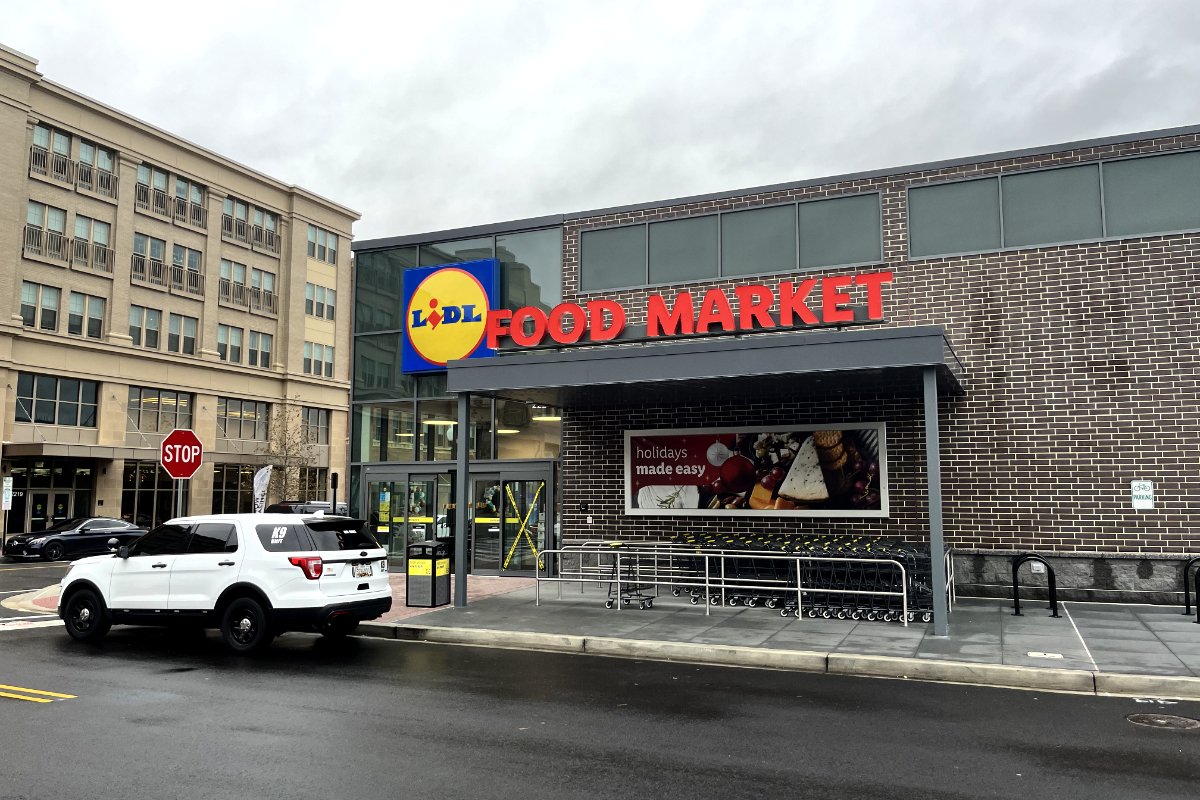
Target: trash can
[428,582]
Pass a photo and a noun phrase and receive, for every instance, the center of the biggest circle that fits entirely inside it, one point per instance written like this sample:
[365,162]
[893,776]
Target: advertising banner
[800,471]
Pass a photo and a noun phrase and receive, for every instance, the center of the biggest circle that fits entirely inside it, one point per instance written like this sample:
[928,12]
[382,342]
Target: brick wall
[1082,364]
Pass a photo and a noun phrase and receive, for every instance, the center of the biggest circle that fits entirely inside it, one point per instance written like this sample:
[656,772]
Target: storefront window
[757,241]
[379,288]
[377,374]
[148,494]
[527,431]
[530,268]
[384,432]
[683,250]
[233,488]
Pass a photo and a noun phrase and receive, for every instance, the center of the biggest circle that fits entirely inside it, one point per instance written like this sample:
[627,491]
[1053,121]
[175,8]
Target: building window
[51,154]
[259,352]
[190,202]
[242,419]
[92,243]
[235,220]
[322,245]
[45,231]
[185,257]
[144,326]
[262,291]
[157,410]
[151,190]
[85,315]
[266,230]
[148,496]
[96,165]
[315,422]
[229,344]
[318,359]
[314,483]
[148,255]
[232,286]
[318,301]
[181,335]
[47,400]
[233,488]
[39,306]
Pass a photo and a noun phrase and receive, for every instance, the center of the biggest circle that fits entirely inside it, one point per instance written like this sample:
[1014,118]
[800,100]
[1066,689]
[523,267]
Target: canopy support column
[461,490]
[933,471]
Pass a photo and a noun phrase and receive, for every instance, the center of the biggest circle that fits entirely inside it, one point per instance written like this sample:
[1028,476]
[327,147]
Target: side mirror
[123,551]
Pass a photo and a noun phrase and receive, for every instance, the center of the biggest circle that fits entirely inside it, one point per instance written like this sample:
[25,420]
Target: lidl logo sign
[445,313]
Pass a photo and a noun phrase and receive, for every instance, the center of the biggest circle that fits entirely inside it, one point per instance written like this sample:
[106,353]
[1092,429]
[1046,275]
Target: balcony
[41,243]
[91,256]
[96,181]
[187,281]
[237,294]
[51,165]
[264,239]
[235,230]
[190,213]
[149,271]
[264,301]
[153,201]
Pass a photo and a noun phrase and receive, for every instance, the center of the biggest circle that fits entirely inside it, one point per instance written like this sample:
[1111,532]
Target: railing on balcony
[265,239]
[156,201]
[187,280]
[99,181]
[237,230]
[190,213]
[148,270]
[46,244]
[261,300]
[89,255]
[235,293]
[51,165]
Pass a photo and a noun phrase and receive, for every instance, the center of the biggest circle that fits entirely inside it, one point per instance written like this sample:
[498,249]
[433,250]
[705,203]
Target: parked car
[253,576]
[72,538]
[306,507]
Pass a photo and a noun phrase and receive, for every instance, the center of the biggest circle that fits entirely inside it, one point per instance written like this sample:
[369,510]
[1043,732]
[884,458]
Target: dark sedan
[72,538]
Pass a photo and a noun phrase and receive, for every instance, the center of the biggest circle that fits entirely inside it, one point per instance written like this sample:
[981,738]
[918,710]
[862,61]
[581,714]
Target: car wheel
[53,551]
[244,626]
[86,617]
[340,628]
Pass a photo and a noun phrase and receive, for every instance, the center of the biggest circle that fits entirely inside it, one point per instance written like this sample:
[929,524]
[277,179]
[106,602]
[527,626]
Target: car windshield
[340,534]
[67,524]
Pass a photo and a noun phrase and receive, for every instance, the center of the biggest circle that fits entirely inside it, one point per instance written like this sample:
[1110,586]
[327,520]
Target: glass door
[523,524]
[410,508]
[484,544]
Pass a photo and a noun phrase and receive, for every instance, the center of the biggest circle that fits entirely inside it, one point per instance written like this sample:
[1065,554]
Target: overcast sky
[439,115]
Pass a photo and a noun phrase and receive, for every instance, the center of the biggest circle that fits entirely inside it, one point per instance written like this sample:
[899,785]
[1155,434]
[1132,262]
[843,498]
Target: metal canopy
[757,366]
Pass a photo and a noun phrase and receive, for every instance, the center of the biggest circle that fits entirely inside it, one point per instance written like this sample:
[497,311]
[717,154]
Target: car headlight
[39,540]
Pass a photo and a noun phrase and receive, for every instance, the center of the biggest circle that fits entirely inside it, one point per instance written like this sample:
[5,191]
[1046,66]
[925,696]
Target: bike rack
[1187,598]
[1019,560]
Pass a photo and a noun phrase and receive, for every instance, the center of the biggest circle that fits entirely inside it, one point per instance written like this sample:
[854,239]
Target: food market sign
[819,471]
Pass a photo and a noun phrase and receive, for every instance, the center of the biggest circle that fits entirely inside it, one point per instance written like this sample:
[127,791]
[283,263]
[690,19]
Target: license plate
[362,570]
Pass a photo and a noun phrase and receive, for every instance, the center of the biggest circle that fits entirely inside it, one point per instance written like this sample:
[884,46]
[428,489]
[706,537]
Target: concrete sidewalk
[1140,650]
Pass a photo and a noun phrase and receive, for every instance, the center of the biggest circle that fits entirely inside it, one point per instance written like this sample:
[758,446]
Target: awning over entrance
[755,366]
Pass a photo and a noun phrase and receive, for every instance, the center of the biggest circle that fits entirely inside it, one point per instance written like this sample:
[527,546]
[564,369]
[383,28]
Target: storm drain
[1165,721]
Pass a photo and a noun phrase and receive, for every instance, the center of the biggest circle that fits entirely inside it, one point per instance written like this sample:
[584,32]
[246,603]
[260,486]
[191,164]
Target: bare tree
[288,450]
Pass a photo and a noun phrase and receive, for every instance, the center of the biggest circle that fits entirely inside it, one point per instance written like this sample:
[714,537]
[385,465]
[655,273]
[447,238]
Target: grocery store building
[998,352]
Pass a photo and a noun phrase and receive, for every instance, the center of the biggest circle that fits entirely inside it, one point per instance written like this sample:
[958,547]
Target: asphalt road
[159,714]
[19,577]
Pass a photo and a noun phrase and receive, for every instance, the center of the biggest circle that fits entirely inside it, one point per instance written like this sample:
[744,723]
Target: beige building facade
[148,284]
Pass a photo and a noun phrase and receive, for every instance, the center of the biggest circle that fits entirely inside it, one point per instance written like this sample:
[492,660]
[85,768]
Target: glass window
[758,241]
[385,432]
[1055,205]
[315,422]
[287,538]
[377,374]
[683,249]
[842,230]
[49,308]
[613,257]
[1156,194]
[45,399]
[527,431]
[213,537]
[952,218]
[453,252]
[530,268]
[166,540]
[379,287]
[153,327]
[437,430]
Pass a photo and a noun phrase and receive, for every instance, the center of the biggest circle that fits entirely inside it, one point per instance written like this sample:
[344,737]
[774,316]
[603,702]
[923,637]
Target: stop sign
[181,453]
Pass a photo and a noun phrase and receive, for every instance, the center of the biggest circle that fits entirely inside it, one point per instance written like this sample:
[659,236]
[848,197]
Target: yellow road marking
[23,697]
[34,691]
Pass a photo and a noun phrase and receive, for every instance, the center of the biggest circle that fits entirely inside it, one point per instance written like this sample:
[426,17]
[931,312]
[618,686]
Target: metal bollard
[1017,562]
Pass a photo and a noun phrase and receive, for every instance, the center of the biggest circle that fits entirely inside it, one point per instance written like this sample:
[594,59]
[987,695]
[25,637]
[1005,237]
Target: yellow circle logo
[447,316]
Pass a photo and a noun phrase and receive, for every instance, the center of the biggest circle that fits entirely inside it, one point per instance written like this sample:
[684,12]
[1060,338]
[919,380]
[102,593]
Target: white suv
[251,575]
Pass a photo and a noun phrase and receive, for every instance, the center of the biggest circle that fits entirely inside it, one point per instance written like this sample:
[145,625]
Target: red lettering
[578,323]
[597,331]
[792,302]
[832,300]
[520,337]
[715,310]
[754,306]
[874,282]
[496,326]
[680,319]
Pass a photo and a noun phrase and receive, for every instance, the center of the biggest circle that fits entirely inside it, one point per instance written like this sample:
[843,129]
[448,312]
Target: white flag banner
[261,479]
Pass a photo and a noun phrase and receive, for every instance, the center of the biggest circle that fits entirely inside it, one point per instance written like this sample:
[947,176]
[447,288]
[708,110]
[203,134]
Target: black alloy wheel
[54,551]
[244,626]
[86,617]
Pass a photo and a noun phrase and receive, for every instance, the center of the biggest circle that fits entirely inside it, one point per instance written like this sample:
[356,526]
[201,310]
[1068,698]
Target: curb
[28,602]
[1002,676]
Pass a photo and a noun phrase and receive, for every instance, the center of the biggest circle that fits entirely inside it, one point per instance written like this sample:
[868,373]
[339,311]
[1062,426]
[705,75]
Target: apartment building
[148,284]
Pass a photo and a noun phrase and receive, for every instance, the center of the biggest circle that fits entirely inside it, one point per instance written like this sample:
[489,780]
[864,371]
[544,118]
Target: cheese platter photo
[834,470]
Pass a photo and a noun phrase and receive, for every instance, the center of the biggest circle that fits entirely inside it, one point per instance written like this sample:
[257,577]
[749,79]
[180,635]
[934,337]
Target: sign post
[7,504]
[180,455]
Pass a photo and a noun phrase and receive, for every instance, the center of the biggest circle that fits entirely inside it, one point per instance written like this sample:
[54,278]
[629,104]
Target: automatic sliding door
[523,526]
[485,524]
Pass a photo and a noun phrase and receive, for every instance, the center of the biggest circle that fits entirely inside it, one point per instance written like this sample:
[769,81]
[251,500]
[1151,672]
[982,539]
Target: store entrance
[410,508]
[509,522]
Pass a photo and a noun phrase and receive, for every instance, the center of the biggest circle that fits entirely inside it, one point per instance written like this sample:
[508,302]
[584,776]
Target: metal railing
[1187,598]
[631,570]
[191,213]
[237,230]
[187,280]
[156,201]
[1020,560]
[148,270]
[99,181]
[262,300]
[92,256]
[46,244]
[51,165]
[235,293]
[265,239]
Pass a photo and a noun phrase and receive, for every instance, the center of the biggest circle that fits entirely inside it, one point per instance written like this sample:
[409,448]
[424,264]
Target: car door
[94,534]
[209,566]
[142,582]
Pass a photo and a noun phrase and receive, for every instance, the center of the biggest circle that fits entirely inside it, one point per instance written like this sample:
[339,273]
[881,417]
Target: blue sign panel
[445,313]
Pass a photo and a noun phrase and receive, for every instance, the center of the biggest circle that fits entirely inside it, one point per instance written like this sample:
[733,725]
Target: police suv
[253,576]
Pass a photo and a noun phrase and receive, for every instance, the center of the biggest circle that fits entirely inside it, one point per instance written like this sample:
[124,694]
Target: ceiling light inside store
[546,418]
[446,422]
[507,430]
